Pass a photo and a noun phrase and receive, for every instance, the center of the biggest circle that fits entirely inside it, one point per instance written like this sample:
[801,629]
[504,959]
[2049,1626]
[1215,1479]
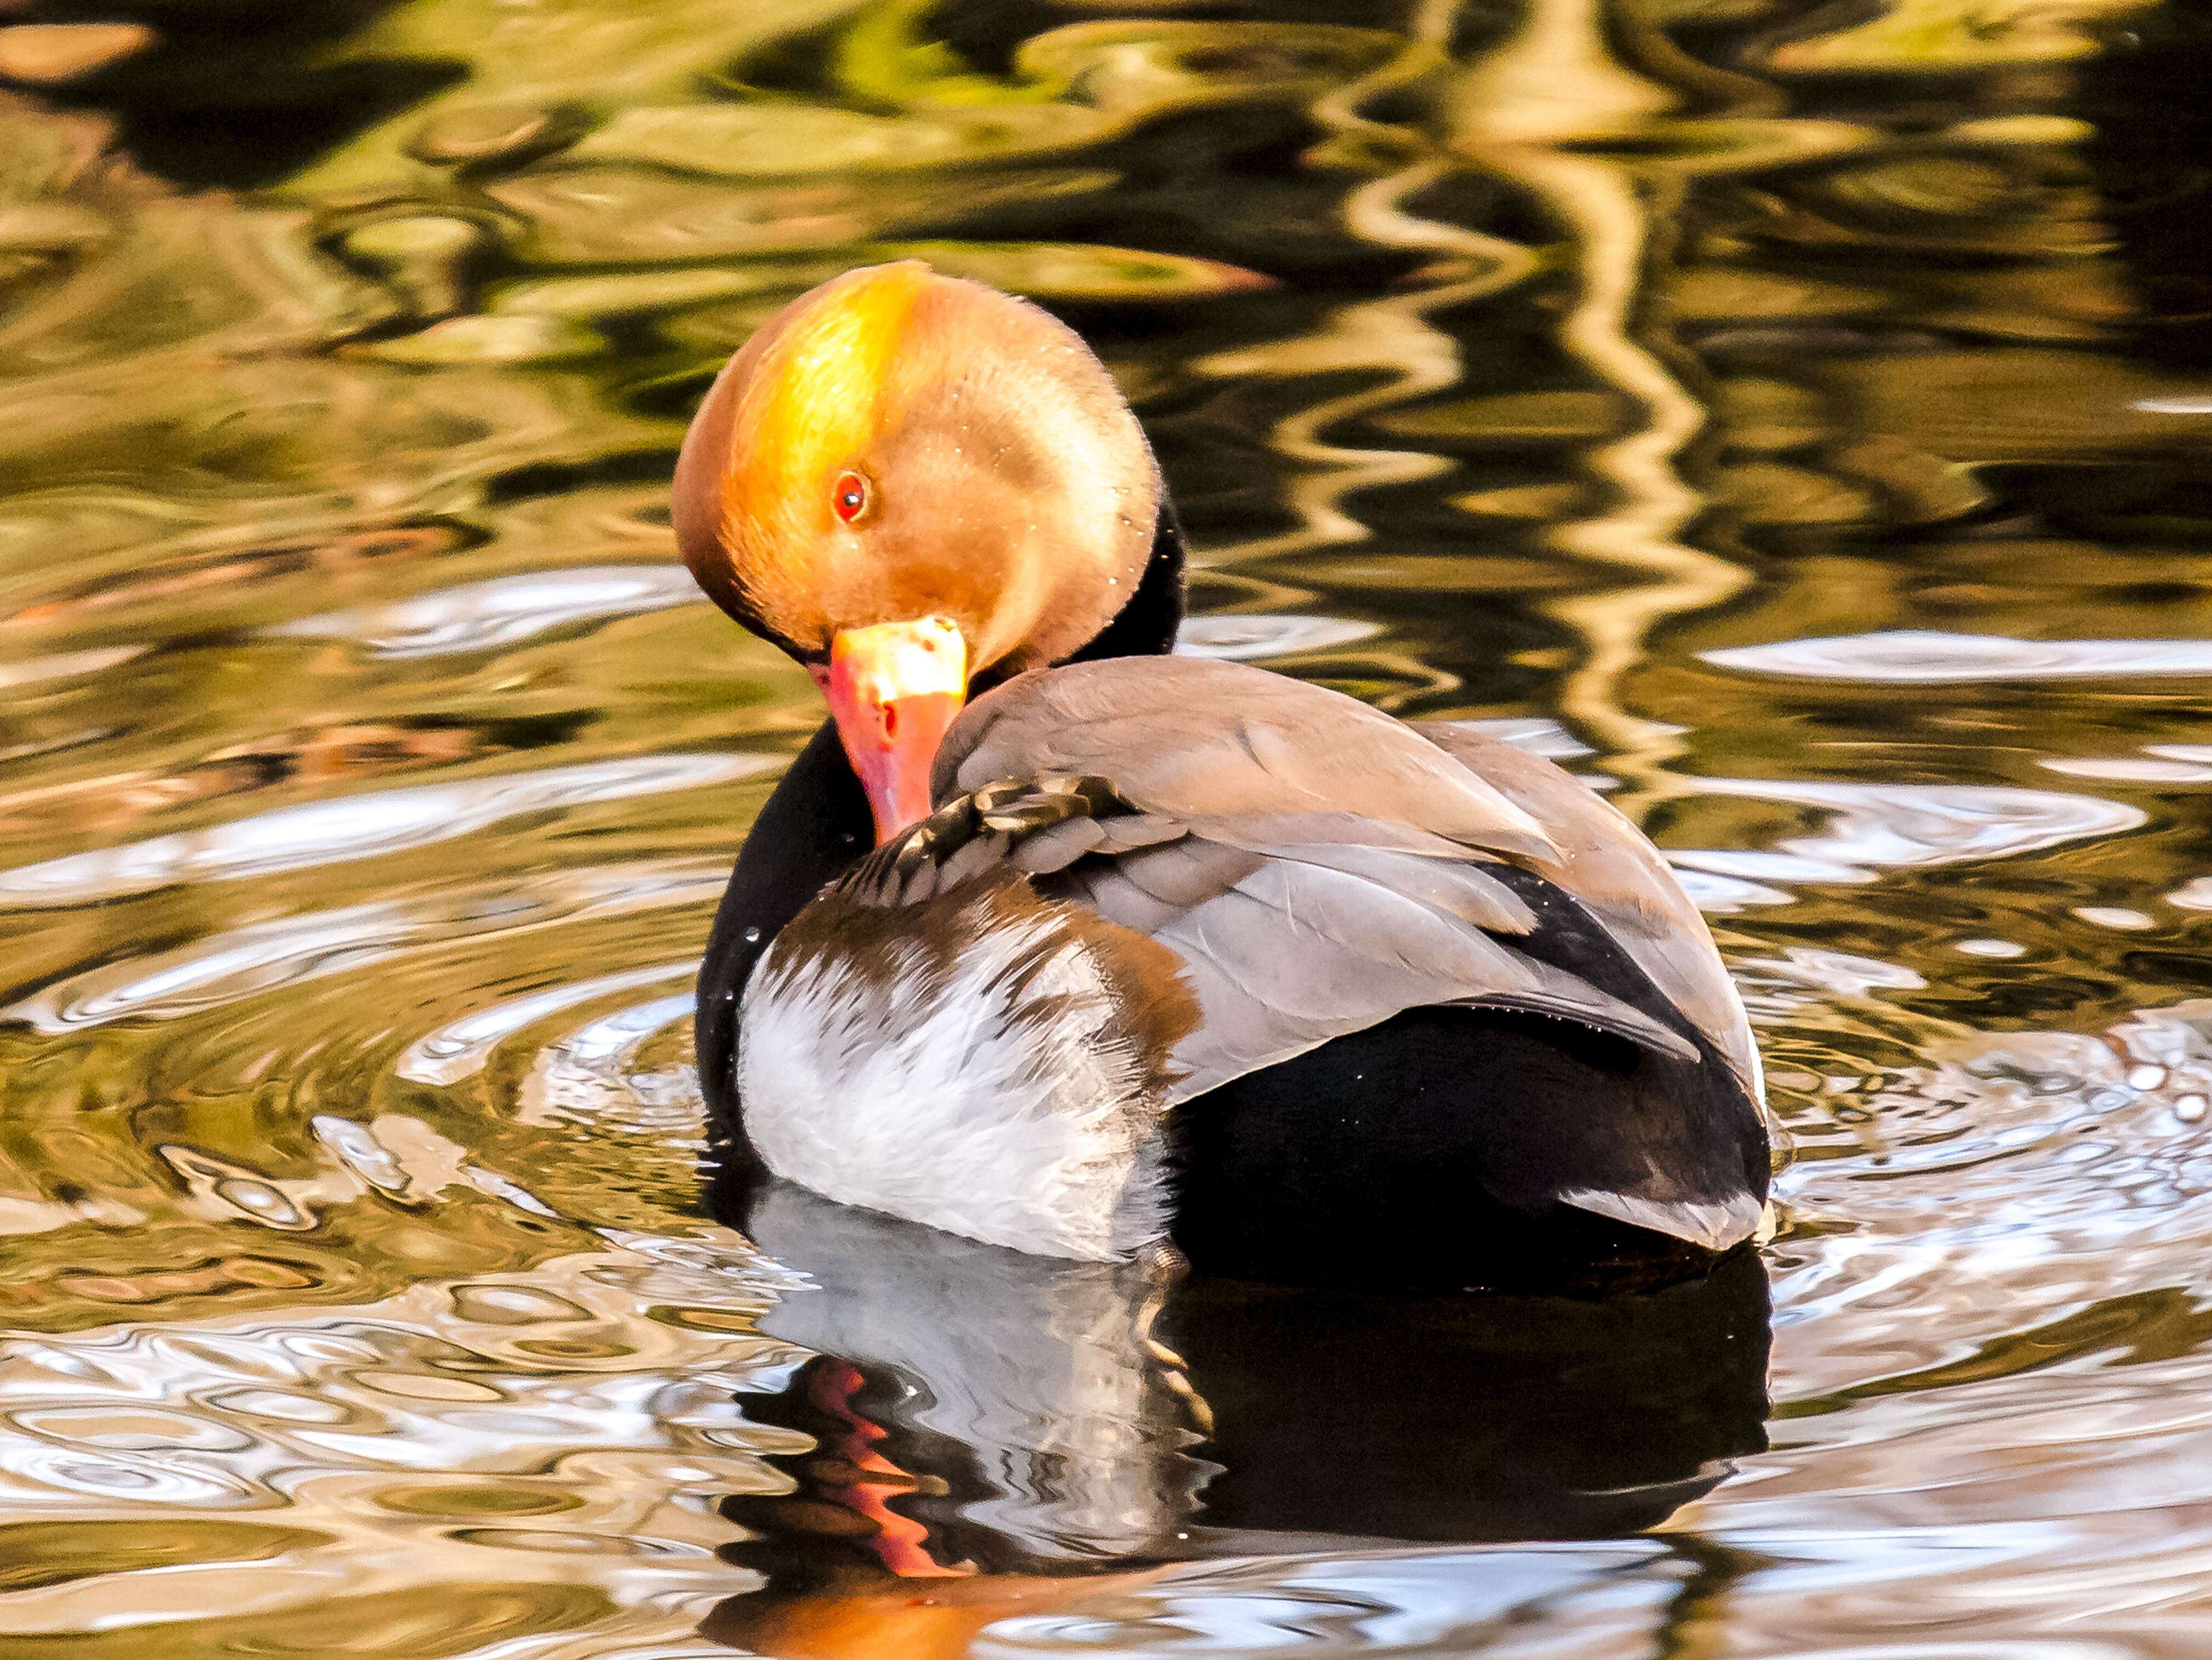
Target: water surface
[1795,418]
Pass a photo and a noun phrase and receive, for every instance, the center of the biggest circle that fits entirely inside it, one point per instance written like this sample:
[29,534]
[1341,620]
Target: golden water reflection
[1793,420]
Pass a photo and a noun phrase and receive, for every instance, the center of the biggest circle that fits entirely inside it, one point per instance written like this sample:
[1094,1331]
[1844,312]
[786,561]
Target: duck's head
[912,483]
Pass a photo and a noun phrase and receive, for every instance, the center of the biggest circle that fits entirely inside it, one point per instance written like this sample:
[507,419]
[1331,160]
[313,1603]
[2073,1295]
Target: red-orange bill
[895,690]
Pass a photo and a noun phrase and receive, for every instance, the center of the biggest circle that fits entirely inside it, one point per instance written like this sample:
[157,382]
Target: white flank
[931,1100]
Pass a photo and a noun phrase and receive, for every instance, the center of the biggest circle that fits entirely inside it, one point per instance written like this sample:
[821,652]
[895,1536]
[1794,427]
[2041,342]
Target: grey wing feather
[1285,746]
[1059,846]
[1317,867]
[1299,954]
[1213,757]
[1467,892]
[1606,864]
[1123,903]
[1181,874]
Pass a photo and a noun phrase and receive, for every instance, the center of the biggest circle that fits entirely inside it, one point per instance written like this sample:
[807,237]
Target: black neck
[1146,626]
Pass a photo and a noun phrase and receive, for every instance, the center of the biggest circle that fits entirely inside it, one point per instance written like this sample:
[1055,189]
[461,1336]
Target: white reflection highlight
[1874,827]
[1838,973]
[590,1077]
[289,951]
[1910,826]
[1721,896]
[581,1389]
[356,827]
[1749,864]
[1931,657]
[459,1050]
[217,971]
[1527,1601]
[502,610]
[62,666]
[1241,637]
[2132,769]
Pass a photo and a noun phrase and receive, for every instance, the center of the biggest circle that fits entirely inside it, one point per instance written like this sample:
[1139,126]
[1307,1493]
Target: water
[1794,418]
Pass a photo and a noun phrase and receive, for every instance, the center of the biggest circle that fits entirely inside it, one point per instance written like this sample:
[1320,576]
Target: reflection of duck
[995,1430]
[1449,1014]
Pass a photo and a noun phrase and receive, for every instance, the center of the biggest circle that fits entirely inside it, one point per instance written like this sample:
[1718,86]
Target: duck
[1054,939]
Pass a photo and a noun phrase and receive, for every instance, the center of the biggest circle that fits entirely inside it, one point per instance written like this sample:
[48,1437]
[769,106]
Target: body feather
[1205,898]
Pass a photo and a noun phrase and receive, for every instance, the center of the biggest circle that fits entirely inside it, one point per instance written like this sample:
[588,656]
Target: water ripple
[502,611]
[1931,657]
[589,1077]
[1241,637]
[262,957]
[456,1051]
[1908,826]
[65,665]
[356,827]
[414,1433]
[1542,1601]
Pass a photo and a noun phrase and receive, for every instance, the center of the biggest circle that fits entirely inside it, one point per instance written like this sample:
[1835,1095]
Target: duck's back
[1409,994]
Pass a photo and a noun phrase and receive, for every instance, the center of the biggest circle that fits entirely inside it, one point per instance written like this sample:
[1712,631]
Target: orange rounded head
[908,481]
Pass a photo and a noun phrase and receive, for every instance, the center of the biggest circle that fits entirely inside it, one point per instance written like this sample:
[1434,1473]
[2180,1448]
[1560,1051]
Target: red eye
[850,498]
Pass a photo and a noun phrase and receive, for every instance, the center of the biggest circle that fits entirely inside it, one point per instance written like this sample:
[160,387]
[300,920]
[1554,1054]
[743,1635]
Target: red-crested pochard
[1151,950]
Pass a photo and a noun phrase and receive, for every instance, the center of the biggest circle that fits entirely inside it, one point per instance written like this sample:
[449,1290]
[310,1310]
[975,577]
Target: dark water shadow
[2155,174]
[244,93]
